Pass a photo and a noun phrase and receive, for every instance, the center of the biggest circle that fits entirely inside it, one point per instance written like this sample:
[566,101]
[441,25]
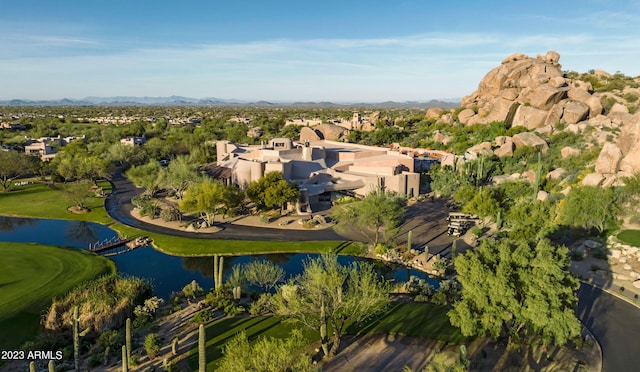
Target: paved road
[119,207]
[427,220]
[616,325]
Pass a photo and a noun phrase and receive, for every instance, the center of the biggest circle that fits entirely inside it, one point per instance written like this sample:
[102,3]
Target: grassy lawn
[38,200]
[407,318]
[631,237]
[179,246]
[31,276]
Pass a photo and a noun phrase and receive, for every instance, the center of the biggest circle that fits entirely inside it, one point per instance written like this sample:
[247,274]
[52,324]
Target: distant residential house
[303,122]
[133,141]
[43,148]
[12,126]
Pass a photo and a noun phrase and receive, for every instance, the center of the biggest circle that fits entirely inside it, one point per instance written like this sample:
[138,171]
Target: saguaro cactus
[128,337]
[76,339]
[52,366]
[125,361]
[323,331]
[32,366]
[409,236]
[220,266]
[215,272]
[202,352]
[174,346]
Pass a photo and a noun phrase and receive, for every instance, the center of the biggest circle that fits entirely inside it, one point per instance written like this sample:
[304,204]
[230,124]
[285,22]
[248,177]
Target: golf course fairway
[31,275]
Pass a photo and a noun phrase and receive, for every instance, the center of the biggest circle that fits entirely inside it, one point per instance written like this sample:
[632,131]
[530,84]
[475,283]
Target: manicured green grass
[631,237]
[39,200]
[412,319]
[406,318]
[31,276]
[179,246]
[221,331]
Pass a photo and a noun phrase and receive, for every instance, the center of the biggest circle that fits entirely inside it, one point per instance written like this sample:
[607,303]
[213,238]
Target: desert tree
[14,165]
[517,290]
[265,274]
[205,197]
[328,293]
[377,216]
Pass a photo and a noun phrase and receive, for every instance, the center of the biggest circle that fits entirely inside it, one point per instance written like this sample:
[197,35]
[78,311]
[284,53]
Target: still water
[167,273]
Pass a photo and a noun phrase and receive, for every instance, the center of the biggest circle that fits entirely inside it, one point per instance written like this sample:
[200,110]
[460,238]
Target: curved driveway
[614,322]
[119,207]
[616,325]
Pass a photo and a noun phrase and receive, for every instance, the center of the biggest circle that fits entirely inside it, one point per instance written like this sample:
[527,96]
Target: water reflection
[84,232]
[10,224]
[167,273]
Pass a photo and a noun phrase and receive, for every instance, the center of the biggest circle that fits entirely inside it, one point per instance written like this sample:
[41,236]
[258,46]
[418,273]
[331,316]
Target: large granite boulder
[575,111]
[330,132]
[529,117]
[434,113]
[542,97]
[505,150]
[609,159]
[465,115]
[528,139]
[309,134]
[592,179]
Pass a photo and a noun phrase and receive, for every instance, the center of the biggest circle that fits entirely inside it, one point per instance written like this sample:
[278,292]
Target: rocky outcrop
[530,117]
[329,132]
[308,134]
[481,149]
[528,139]
[505,150]
[442,138]
[609,159]
[531,92]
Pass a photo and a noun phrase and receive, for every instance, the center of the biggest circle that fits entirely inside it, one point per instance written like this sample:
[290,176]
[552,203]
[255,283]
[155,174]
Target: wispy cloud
[420,66]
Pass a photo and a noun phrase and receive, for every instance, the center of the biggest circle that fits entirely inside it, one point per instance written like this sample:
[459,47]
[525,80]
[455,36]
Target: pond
[167,273]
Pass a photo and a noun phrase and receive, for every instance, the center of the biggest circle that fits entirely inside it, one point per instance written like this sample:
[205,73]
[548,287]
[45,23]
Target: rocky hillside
[536,94]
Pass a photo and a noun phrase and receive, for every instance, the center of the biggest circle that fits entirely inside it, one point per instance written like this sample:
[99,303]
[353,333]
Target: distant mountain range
[212,101]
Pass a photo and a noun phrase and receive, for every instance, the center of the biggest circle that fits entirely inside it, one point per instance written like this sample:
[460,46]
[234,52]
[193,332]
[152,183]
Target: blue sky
[341,51]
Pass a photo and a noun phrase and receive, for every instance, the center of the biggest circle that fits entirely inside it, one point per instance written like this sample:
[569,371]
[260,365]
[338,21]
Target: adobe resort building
[323,170]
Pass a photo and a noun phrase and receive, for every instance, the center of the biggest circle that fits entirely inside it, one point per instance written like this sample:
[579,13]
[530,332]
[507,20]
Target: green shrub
[218,298]
[203,316]
[152,345]
[381,249]
[170,214]
[112,339]
[192,290]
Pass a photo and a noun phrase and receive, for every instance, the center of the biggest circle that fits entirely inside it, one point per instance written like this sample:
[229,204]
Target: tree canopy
[264,274]
[271,191]
[377,216]
[266,354]
[591,207]
[516,290]
[13,165]
[329,293]
[205,197]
